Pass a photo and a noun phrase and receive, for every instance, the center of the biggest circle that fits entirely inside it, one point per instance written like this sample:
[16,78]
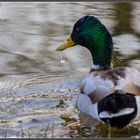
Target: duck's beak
[69,43]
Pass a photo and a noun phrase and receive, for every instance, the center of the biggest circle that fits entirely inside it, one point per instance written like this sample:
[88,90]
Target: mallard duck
[108,94]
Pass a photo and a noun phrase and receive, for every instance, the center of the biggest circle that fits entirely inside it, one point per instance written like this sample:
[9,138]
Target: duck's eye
[77,29]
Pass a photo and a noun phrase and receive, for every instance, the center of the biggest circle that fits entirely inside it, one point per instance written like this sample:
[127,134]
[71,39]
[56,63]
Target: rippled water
[38,86]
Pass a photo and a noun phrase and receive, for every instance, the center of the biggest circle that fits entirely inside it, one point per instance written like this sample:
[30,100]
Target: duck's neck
[101,48]
[101,61]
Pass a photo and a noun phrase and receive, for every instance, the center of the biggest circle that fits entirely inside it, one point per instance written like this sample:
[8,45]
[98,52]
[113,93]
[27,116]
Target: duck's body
[106,93]
[122,78]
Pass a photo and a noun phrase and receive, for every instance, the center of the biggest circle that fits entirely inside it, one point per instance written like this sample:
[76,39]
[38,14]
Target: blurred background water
[38,86]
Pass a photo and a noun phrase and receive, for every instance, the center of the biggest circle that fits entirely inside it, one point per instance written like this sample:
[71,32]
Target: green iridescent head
[89,32]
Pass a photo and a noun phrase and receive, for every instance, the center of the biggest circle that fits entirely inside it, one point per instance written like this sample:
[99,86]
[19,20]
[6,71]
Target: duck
[110,95]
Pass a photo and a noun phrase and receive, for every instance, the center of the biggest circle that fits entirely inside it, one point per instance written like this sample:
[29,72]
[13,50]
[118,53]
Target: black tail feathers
[114,103]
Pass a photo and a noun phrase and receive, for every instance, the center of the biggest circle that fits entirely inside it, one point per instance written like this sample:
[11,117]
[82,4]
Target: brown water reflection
[37,91]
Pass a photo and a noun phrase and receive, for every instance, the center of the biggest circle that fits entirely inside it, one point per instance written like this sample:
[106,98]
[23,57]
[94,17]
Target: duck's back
[123,78]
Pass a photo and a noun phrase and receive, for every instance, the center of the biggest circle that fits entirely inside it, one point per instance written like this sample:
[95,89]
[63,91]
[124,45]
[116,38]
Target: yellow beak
[69,43]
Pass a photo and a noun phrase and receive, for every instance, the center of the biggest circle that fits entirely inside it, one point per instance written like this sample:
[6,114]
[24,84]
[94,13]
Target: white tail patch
[125,111]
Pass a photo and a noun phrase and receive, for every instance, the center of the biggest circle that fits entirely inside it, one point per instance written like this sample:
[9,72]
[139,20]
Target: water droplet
[62,59]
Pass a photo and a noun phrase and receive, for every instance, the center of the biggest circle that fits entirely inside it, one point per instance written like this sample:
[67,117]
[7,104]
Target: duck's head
[90,33]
